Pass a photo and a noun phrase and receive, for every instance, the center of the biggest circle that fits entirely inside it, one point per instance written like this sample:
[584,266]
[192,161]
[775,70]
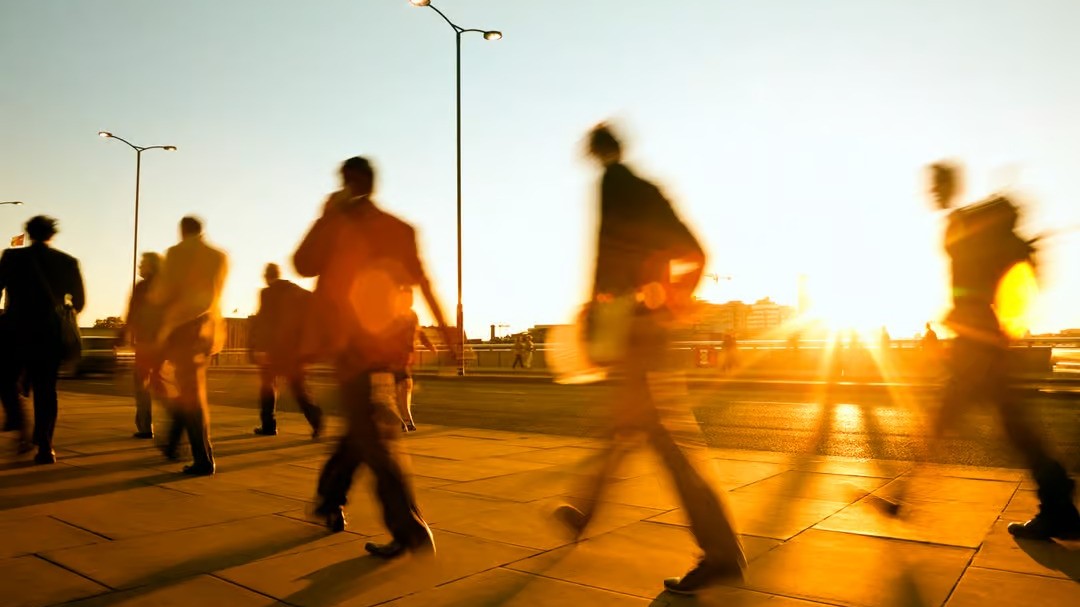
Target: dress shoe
[1045,528]
[199,470]
[171,452]
[333,517]
[702,576]
[45,457]
[24,446]
[572,518]
[143,435]
[389,550]
[410,426]
[266,431]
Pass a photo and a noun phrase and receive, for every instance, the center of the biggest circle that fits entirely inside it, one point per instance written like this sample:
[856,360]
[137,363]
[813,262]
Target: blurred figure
[635,297]
[366,259]
[930,342]
[528,348]
[983,246]
[519,352]
[275,337]
[730,346]
[188,289]
[408,332]
[40,282]
[141,329]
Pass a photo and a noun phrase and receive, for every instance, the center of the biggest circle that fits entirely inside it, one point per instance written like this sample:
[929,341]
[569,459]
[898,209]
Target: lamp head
[169,148]
[420,2]
[104,134]
[493,35]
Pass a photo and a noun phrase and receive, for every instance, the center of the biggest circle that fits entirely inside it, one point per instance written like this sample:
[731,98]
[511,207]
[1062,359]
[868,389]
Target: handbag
[66,324]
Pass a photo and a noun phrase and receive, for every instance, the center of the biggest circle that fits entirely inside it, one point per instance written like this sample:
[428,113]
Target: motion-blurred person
[983,247]
[141,329]
[366,259]
[640,237]
[528,348]
[275,338]
[519,353]
[188,289]
[408,332]
[41,284]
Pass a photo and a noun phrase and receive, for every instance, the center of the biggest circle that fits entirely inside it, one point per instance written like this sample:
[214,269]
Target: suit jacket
[189,287]
[366,260]
[143,318]
[276,329]
[29,311]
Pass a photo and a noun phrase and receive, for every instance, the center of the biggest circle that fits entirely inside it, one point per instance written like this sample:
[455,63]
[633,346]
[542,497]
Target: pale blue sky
[791,132]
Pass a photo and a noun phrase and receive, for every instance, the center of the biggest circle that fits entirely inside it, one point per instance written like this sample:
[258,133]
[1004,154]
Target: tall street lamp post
[138,169]
[488,35]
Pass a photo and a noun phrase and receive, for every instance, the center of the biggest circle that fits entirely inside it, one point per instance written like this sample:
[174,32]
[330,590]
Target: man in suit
[640,236]
[192,330]
[366,259]
[143,323]
[37,280]
[275,339]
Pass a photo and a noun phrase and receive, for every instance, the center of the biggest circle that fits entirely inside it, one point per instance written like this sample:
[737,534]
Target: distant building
[717,319]
[766,315]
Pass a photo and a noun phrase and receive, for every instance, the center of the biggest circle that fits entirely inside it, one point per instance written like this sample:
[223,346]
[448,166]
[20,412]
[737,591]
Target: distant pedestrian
[366,259]
[189,293]
[731,353]
[409,332]
[143,322]
[275,344]
[635,299]
[519,352]
[528,348]
[42,285]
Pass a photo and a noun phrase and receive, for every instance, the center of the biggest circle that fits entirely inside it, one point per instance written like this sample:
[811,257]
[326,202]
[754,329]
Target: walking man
[275,337]
[983,246]
[40,282]
[189,293]
[366,259]
[635,297]
[141,328]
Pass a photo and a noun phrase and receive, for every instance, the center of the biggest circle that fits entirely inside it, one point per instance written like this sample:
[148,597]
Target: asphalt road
[859,422]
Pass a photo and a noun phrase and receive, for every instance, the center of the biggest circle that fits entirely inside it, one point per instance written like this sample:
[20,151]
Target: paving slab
[815,485]
[729,474]
[981,587]
[470,470]
[198,590]
[851,569]
[533,525]
[41,534]
[455,446]
[30,581]
[1004,552]
[157,558]
[947,523]
[508,588]
[345,575]
[633,560]
[766,515]
[525,486]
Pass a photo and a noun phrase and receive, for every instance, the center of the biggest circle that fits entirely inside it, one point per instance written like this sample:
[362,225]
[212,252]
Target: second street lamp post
[488,35]
[138,169]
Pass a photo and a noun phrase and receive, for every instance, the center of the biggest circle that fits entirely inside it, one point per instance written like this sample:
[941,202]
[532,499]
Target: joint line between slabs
[70,570]
[252,590]
[81,528]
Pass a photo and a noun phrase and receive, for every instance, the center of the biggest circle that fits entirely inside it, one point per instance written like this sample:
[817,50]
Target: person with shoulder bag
[44,293]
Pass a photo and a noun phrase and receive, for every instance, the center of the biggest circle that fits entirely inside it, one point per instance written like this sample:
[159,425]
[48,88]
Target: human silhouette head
[272,273]
[946,183]
[190,226]
[604,147]
[149,264]
[358,176]
[41,228]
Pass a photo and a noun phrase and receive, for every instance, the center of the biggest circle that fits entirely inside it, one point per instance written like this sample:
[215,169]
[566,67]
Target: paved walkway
[114,524]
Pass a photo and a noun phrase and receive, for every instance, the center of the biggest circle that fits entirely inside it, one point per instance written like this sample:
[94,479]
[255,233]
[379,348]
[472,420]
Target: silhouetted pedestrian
[982,245]
[189,293]
[141,329]
[409,333]
[366,259]
[635,298]
[519,353]
[42,285]
[275,343]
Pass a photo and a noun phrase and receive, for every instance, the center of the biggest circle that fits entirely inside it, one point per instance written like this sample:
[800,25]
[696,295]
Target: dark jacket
[143,318]
[639,234]
[27,276]
[276,329]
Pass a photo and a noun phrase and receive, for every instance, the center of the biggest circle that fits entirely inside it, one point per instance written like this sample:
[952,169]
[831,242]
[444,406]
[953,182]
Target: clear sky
[790,132]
